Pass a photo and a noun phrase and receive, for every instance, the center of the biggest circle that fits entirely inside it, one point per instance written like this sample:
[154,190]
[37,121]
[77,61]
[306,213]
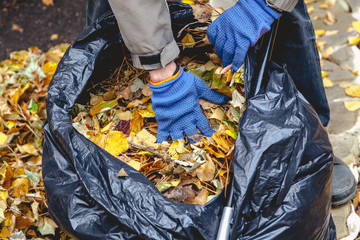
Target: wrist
[160,74]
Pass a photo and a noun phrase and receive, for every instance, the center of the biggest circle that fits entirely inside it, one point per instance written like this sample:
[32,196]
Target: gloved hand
[237,28]
[177,109]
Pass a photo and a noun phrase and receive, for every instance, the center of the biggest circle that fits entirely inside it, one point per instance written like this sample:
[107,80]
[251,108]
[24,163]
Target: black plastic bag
[282,163]
[88,201]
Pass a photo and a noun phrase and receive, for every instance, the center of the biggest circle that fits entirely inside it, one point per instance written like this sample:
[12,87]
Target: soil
[28,23]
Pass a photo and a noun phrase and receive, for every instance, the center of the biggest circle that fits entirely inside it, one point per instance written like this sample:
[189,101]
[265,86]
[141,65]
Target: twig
[165,158]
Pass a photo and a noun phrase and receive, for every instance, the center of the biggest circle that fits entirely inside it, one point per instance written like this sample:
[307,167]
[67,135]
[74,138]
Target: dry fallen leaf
[356,26]
[329,18]
[146,91]
[54,37]
[202,13]
[188,41]
[352,105]
[327,82]
[115,143]
[16,27]
[353,91]
[3,138]
[48,2]
[21,187]
[353,40]
[122,173]
[218,114]
[206,172]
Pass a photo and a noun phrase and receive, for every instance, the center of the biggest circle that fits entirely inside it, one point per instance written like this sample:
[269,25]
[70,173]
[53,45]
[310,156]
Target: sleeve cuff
[154,61]
[282,5]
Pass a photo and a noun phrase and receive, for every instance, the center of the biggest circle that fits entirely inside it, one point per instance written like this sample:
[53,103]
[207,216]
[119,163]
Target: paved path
[340,61]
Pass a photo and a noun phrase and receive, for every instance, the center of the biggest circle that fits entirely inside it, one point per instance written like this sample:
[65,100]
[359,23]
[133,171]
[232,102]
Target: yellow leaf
[324,74]
[352,105]
[29,148]
[3,195]
[3,138]
[353,91]
[98,139]
[148,112]
[2,218]
[206,171]
[103,106]
[134,164]
[191,2]
[345,85]
[353,40]
[222,172]
[356,26]
[10,124]
[310,10]
[175,148]
[137,121]
[327,83]
[21,187]
[49,68]
[4,233]
[106,128]
[174,182]
[188,41]
[231,133]
[237,77]
[116,143]
[319,32]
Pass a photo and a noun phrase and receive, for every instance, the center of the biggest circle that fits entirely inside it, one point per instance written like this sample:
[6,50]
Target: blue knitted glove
[177,108]
[237,28]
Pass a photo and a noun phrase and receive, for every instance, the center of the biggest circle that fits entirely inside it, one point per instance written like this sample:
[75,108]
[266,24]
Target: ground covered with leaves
[118,118]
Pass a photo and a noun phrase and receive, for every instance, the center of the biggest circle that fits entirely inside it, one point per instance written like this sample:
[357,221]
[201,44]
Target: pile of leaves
[121,121]
[24,80]
[119,118]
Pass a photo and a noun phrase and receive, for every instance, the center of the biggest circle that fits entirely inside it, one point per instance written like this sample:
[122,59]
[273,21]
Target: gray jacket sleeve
[282,5]
[145,26]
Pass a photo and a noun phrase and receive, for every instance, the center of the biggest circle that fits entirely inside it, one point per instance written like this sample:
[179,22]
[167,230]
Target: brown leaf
[109,95]
[201,197]
[183,193]
[202,13]
[146,91]
[16,27]
[206,172]
[329,18]
[4,107]
[21,187]
[23,222]
[124,93]
[122,173]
